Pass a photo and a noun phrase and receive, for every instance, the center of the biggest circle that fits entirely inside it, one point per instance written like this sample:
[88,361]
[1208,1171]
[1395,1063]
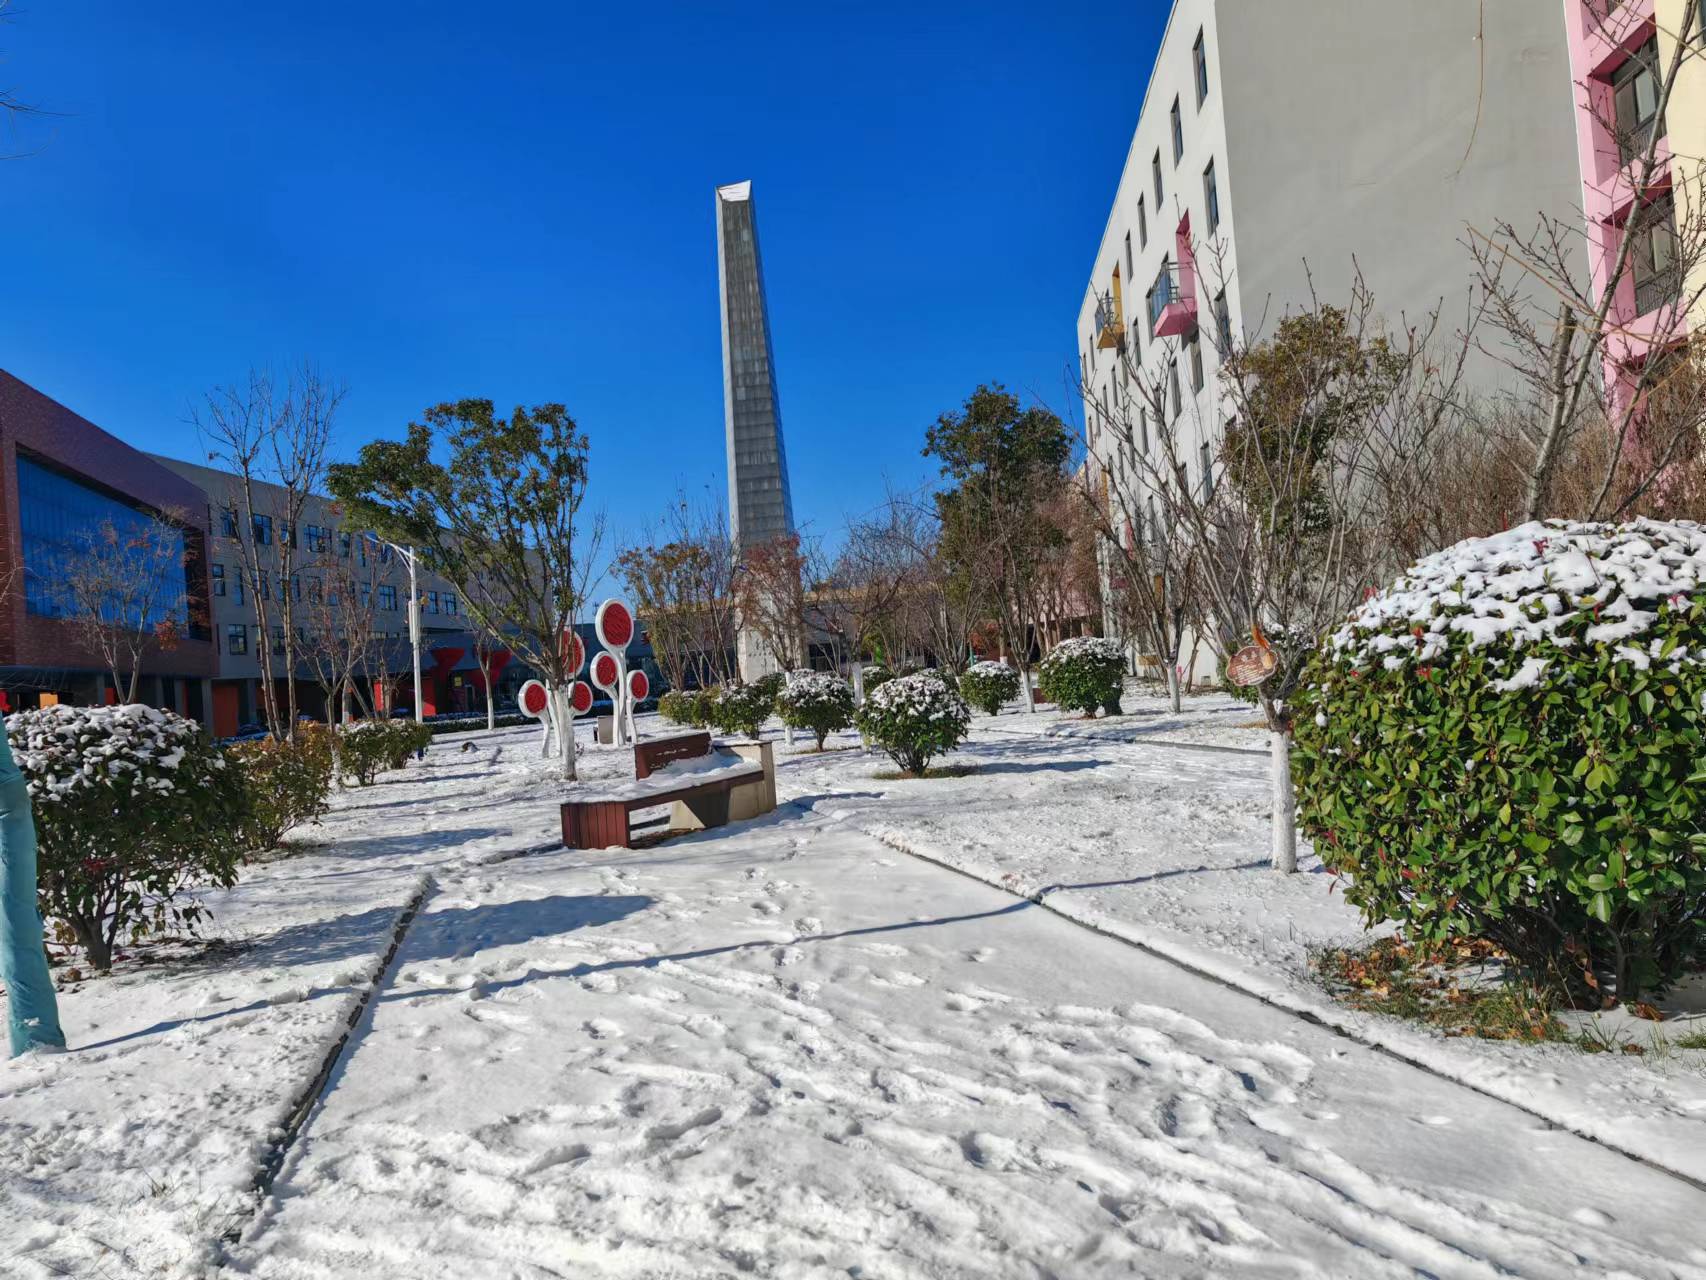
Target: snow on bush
[1504,745]
[367,747]
[1083,674]
[987,685]
[915,718]
[742,708]
[288,783]
[133,807]
[690,707]
[816,701]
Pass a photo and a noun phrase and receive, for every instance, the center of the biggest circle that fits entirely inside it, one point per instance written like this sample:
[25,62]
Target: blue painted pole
[31,1009]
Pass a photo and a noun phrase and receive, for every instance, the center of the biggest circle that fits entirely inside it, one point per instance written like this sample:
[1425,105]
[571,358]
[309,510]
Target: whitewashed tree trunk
[1174,694]
[491,706]
[563,720]
[1285,804]
[1029,702]
[858,684]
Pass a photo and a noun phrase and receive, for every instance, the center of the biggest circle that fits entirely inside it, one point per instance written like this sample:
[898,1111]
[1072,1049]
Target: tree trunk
[1030,702]
[1174,694]
[1285,804]
[491,706]
[858,682]
[562,714]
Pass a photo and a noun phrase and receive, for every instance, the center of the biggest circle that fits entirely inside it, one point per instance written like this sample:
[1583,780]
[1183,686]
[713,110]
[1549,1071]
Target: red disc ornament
[638,686]
[614,625]
[580,697]
[532,700]
[574,651]
[605,672]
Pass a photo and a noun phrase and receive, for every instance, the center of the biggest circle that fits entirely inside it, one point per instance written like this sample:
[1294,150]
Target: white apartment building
[1287,141]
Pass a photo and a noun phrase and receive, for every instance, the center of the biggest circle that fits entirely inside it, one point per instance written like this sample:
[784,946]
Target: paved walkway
[789,1051]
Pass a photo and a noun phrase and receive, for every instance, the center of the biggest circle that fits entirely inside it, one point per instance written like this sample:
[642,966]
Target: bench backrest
[654,753]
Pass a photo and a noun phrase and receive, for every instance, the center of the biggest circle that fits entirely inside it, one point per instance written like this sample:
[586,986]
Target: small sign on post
[1251,665]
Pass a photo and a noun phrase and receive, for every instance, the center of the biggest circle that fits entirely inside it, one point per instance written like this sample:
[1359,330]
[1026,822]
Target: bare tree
[272,440]
[1267,520]
[770,600]
[1585,366]
[680,577]
[123,592]
[338,609]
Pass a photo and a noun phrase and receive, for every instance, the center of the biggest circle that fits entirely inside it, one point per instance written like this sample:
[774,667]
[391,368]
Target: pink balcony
[1173,300]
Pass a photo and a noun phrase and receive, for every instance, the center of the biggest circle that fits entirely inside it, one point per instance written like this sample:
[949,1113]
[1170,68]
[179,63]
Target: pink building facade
[1619,52]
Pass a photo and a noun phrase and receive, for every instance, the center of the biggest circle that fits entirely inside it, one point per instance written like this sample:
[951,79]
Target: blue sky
[436,200]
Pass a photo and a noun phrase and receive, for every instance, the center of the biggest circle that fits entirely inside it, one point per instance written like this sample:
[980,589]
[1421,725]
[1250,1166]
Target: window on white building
[1155,169]
[1178,122]
[1199,59]
[1211,197]
[1142,225]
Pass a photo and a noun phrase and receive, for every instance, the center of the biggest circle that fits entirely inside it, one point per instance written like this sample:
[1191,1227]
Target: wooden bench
[734,784]
[651,754]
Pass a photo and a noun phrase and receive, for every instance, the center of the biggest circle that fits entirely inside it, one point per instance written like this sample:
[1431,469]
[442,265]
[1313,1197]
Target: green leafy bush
[680,706]
[877,676]
[288,783]
[1504,745]
[1083,674]
[817,701]
[1293,646]
[742,708]
[915,719]
[989,685]
[134,809]
[368,747]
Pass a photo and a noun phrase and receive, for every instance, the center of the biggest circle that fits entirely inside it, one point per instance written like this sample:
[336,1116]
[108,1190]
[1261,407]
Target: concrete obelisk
[760,507]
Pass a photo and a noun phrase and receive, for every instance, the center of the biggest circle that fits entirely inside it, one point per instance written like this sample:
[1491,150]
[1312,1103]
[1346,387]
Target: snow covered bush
[1082,674]
[742,708]
[367,747]
[915,718]
[1293,646]
[987,685]
[877,676]
[288,783]
[816,701]
[1505,745]
[133,809]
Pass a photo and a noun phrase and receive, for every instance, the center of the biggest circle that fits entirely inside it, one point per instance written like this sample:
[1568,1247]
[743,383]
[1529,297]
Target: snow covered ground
[787,1048]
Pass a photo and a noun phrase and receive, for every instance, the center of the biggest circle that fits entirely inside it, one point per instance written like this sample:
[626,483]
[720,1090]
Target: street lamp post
[408,555]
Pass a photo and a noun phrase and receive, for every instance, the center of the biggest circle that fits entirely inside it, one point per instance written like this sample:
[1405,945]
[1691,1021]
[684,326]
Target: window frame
[1177,119]
[1211,196]
[1199,59]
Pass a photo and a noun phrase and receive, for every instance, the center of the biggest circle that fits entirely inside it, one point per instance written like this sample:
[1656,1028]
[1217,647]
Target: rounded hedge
[367,747]
[1083,674]
[915,719]
[134,807]
[816,701]
[1505,745]
[989,685]
[742,708]
[288,783]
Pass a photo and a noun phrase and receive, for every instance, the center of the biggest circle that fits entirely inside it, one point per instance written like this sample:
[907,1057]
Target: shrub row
[134,809]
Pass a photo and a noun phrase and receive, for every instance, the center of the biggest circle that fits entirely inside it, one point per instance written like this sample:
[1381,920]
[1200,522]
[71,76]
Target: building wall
[230,610]
[1686,123]
[1344,134]
[1385,133]
[39,425]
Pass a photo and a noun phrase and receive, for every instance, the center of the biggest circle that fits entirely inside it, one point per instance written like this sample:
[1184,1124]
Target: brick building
[59,475]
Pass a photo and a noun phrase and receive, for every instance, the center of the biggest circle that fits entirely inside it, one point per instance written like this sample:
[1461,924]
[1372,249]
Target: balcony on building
[1110,317]
[1172,304]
